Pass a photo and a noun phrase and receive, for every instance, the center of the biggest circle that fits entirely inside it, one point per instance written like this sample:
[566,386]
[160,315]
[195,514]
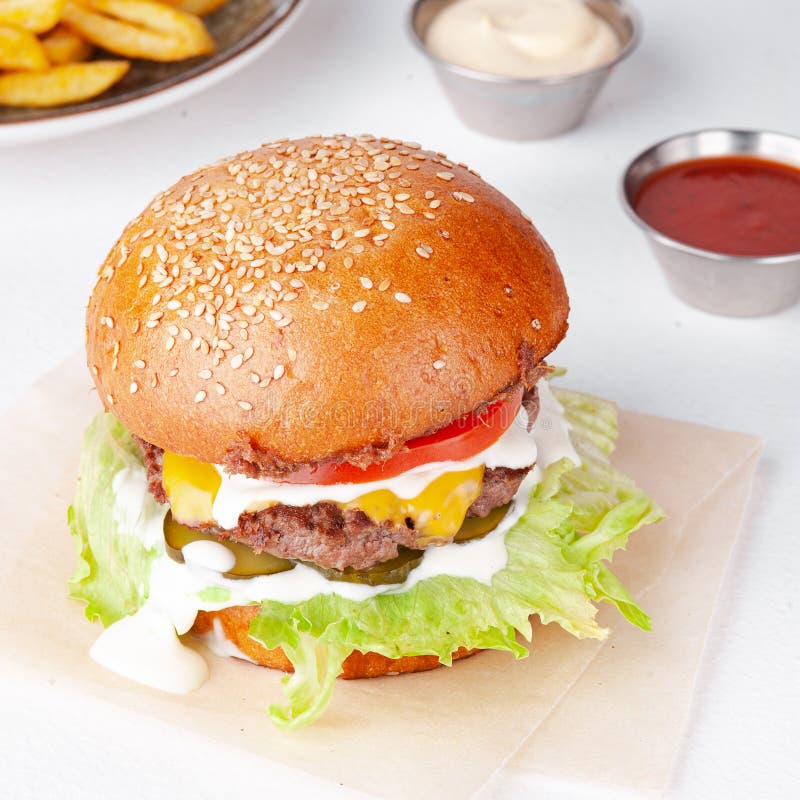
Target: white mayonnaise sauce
[522,38]
[220,645]
[133,513]
[209,555]
[144,647]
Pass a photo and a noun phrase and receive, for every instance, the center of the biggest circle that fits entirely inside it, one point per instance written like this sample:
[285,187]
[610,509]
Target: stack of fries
[46,45]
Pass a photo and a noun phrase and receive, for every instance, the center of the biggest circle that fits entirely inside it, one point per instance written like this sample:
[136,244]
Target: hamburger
[329,442]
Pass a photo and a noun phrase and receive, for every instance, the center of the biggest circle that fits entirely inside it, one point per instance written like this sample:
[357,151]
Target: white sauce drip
[144,647]
[132,513]
[209,555]
[220,645]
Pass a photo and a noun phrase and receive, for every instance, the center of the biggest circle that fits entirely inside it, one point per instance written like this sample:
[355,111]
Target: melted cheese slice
[191,487]
[437,512]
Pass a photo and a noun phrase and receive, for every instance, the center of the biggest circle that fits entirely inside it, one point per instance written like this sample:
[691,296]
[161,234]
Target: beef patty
[326,534]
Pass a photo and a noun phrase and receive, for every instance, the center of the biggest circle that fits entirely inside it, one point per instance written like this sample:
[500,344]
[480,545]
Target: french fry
[36,16]
[21,50]
[68,83]
[64,46]
[201,8]
[139,28]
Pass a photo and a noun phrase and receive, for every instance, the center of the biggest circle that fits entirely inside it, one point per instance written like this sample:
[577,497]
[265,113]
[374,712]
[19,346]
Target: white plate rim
[38,130]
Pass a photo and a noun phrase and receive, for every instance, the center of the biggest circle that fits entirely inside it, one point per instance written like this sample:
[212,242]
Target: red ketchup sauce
[738,205]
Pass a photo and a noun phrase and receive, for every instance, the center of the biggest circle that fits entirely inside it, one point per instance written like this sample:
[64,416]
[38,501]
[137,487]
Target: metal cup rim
[625,8]
[668,241]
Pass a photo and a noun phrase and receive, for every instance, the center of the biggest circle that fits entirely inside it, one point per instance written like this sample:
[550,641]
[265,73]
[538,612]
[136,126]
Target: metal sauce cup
[736,286]
[524,108]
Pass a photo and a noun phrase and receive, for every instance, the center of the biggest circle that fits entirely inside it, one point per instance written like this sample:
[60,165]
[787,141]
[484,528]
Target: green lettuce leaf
[113,570]
[556,570]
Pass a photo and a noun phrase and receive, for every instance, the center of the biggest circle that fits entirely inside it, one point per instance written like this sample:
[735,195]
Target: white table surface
[349,66]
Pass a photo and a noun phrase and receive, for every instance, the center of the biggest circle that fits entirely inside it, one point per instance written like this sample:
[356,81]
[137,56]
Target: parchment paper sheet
[580,710]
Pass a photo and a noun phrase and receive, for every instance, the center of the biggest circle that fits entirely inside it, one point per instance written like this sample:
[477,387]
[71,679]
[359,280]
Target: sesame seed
[365,282]
[220,388]
[445,176]
[438,364]
[320,305]
[361,233]
[359,306]
[535,323]
[424,252]
[204,373]
[278,372]
[200,396]
[402,297]
[139,364]
[244,405]
[467,198]
[236,361]
[134,387]
[384,285]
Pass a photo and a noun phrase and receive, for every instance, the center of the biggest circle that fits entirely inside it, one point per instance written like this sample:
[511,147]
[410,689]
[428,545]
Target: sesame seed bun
[235,625]
[312,299]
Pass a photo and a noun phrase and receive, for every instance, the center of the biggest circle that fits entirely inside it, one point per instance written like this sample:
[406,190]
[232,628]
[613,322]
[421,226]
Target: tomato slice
[465,437]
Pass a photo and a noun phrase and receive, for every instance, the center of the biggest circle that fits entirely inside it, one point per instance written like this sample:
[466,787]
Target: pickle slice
[476,527]
[248,562]
[396,570]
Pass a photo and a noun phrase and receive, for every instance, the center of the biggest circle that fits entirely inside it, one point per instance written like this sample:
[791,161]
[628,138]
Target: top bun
[319,298]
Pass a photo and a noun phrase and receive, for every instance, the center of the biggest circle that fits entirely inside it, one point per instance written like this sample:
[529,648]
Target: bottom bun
[235,624]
